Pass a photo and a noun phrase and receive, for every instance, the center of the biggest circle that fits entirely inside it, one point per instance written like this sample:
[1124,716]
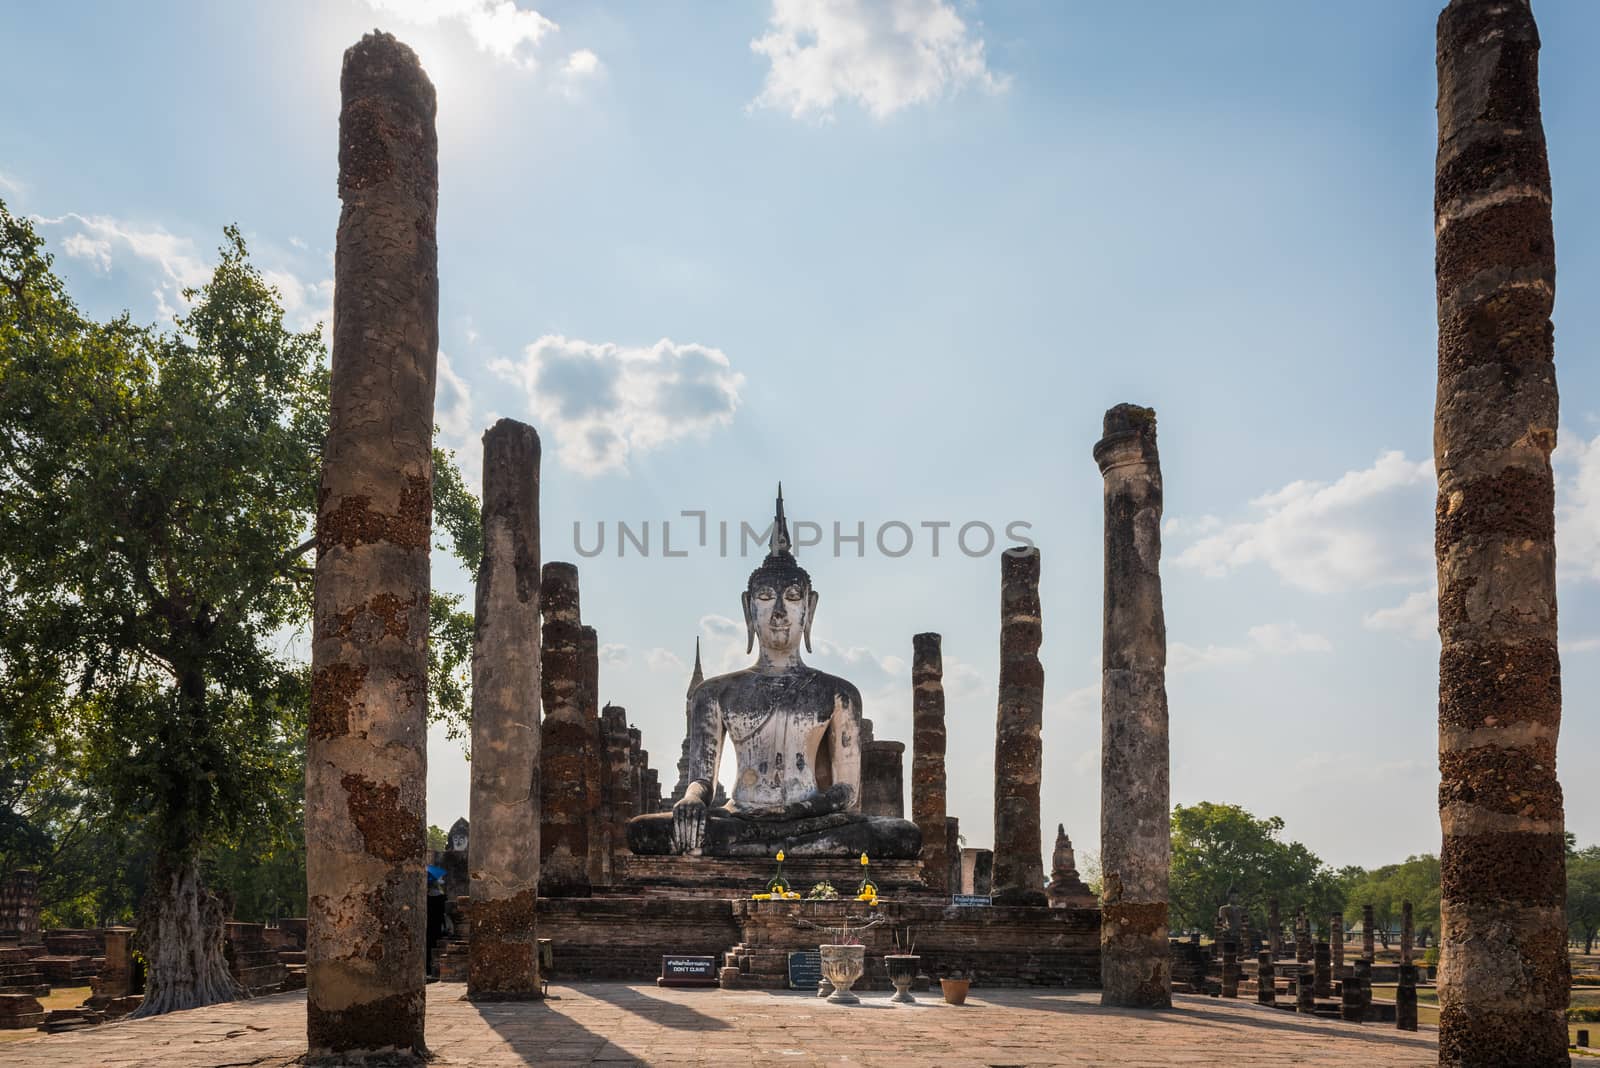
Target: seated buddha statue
[796,735]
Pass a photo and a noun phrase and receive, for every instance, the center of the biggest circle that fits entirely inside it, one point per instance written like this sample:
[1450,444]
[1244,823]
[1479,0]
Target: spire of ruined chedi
[366,755]
[1066,889]
[1503,974]
[927,758]
[1135,820]
[1018,869]
[569,787]
[503,848]
[695,680]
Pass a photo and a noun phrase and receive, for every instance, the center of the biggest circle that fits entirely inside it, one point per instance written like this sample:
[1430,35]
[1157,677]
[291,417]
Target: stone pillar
[1368,935]
[1230,968]
[1266,978]
[883,788]
[503,862]
[1302,937]
[638,760]
[569,784]
[1351,1008]
[1503,973]
[1336,942]
[1406,935]
[952,850]
[650,790]
[977,871]
[1135,810]
[1018,752]
[1363,977]
[366,749]
[1305,989]
[927,757]
[1274,929]
[1322,961]
[618,788]
[600,838]
[1405,1005]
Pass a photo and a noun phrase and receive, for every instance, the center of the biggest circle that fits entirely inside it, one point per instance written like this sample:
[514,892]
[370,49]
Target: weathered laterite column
[1368,935]
[1503,972]
[952,851]
[1266,978]
[503,849]
[1135,820]
[1018,751]
[595,769]
[569,782]
[366,753]
[618,771]
[1336,943]
[927,757]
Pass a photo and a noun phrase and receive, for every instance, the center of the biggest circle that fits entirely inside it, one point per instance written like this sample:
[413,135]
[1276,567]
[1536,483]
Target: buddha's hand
[835,798]
[688,825]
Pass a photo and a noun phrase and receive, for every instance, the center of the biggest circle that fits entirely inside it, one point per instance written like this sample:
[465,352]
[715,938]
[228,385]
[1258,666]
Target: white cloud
[452,406]
[1268,639]
[604,402]
[498,27]
[659,659]
[11,183]
[176,263]
[613,653]
[581,63]
[83,247]
[1368,527]
[1416,617]
[884,54]
[1578,506]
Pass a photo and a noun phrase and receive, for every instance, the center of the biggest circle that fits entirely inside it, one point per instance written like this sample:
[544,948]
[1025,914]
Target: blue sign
[971,900]
[805,969]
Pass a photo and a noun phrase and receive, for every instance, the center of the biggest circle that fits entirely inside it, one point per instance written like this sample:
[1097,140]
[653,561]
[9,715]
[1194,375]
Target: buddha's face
[779,615]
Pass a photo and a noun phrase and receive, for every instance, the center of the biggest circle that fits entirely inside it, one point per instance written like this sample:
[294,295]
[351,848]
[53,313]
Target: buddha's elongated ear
[811,610]
[749,621]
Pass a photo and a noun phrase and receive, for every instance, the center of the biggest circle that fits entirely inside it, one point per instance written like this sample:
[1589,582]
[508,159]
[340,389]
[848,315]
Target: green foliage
[157,493]
[438,840]
[1217,848]
[1387,889]
[1583,895]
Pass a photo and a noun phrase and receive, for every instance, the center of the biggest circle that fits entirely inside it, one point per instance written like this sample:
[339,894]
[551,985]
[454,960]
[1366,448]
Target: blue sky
[902,256]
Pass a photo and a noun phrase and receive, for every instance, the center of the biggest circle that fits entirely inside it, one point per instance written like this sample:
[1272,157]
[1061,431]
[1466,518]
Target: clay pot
[843,965]
[955,990]
[902,973]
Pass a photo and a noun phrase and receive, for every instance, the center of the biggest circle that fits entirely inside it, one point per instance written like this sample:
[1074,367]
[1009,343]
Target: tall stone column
[366,752]
[1367,934]
[952,851]
[618,765]
[1336,943]
[883,787]
[597,769]
[1274,929]
[503,849]
[569,785]
[927,758]
[1018,865]
[1503,972]
[1135,811]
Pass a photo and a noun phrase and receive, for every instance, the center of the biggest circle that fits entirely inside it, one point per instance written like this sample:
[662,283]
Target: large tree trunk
[180,935]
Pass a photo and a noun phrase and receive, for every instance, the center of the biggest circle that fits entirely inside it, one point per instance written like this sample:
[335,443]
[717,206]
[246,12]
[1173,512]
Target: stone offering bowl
[843,965]
[902,973]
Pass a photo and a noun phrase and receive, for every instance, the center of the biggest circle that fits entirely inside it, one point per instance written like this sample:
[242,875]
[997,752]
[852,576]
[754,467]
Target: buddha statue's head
[779,602]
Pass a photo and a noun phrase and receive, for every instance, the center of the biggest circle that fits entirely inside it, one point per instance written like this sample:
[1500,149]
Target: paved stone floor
[606,1023]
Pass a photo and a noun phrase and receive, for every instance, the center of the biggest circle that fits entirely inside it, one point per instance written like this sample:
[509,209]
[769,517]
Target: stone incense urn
[842,966]
[902,973]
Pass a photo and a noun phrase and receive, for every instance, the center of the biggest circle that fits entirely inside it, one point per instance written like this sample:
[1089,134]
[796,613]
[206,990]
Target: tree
[1218,848]
[157,490]
[1583,894]
[1388,888]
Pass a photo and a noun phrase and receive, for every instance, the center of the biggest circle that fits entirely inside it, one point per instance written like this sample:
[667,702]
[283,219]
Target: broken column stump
[503,848]
[366,747]
[1135,809]
[569,751]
